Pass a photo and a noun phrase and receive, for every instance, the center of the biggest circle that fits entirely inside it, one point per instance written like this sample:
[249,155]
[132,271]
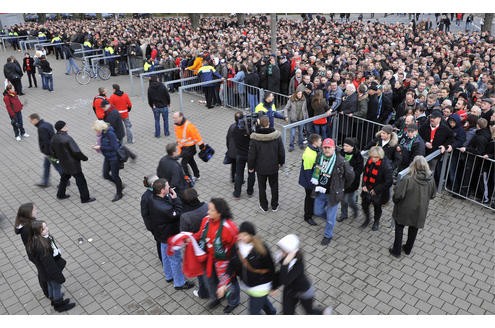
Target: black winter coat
[408,153]
[350,104]
[284,77]
[252,79]
[113,118]
[266,151]
[357,164]
[145,208]
[390,149]
[12,71]
[191,220]
[65,149]
[170,169]
[443,136]
[31,64]
[49,267]
[158,95]
[294,279]
[241,140]
[45,135]
[382,185]
[478,143]
[230,143]
[273,80]
[341,178]
[256,261]
[164,214]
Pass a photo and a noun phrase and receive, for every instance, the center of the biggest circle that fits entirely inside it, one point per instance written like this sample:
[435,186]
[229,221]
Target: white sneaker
[328,310]
[196,292]
[18,138]
[25,135]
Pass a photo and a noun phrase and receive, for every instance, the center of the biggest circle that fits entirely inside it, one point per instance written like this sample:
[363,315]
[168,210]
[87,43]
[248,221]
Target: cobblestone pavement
[450,271]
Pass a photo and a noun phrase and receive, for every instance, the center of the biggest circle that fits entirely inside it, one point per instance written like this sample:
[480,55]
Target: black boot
[59,305]
[366,222]
[66,301]
[375,226]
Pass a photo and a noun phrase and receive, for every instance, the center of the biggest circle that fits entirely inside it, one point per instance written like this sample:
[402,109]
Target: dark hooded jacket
[458,131]
[411,197]
[158,95]
[65,149]
[357,164]
[479,142]
[266,151]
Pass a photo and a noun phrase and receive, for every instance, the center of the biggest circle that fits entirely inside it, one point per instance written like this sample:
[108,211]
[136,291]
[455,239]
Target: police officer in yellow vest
[305,174]
[111,61]
[41,36]
[57,46]
[148,65]
[14,41]
[87,46]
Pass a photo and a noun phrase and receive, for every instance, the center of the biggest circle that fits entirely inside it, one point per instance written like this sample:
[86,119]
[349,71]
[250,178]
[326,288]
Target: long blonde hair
[419,163]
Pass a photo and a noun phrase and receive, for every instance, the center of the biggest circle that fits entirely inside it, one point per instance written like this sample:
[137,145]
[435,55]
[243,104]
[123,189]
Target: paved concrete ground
[450,270]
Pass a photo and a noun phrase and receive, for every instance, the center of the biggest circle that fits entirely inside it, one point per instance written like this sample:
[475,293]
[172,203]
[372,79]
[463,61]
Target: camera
[249,122]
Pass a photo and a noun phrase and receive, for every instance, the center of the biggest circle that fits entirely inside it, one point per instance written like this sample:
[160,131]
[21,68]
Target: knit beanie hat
[59,125]
[350,141]
[289,243]
[300,88]
[248,228]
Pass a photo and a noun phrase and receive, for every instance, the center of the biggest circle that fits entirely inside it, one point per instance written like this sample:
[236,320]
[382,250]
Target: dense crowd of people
[428,89]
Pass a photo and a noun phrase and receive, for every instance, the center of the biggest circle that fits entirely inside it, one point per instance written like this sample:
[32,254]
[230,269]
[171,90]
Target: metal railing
[471,177]
[143,75]
[9,38]
[343,126]
[194,87]
[239,95]
[304,122]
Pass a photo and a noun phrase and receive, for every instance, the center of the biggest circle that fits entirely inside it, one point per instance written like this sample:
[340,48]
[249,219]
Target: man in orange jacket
[187,136]
[122,103]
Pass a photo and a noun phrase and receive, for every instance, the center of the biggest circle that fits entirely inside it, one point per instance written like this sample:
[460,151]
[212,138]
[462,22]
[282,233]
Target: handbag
[206,153]
[227,160]
[123,154]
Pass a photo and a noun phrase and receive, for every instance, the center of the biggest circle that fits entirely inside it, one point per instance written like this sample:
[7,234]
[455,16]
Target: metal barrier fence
[161,73]
[343,126]
[195,87]
[132,72]
[239,95]
[9,38]
[471,177]
[304,122]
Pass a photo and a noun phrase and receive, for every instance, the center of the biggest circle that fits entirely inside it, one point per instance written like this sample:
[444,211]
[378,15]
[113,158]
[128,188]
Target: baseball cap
[328,143]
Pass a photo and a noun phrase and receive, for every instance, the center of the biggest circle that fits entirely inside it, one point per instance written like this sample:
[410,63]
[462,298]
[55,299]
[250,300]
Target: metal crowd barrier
[471,177]
[143,75]
[302,122]
[279,99]
[8,38]
[343,126]
[132,72]
[192,86]
[26,44]
[248,97]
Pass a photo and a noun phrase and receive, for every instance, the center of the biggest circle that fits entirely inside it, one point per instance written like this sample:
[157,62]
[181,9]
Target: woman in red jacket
[14,108]
[120,100]
[217,236]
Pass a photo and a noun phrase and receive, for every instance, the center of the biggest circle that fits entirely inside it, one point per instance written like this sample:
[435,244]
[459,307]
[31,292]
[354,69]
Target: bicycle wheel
[83,77]
[104,72]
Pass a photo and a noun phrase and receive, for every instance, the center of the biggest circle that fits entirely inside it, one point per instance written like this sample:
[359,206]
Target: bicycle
[89,72]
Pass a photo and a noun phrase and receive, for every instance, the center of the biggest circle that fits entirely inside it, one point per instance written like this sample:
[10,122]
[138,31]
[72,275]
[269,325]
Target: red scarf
[371,172]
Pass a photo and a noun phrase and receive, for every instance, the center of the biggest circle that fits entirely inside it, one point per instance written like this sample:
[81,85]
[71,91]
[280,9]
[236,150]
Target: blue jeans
[320,129]
[253,101]
[323,209]
[349,200]
[54,290]
[172,266]
[128,130]
[256,304]
[17,124]
[71,66]
[300,137]
[46,170]
[47,81]
[156,113]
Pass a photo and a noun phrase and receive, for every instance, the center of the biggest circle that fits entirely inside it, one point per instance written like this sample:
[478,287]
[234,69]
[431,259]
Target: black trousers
[365,204]
[209,96]
[159,249]
[81,185]
[273,181]
[241,162]
[32,76]
[17,84]
[289,303]
[233,169]
[111,172]
[412,232]
[188,159]
[309,203]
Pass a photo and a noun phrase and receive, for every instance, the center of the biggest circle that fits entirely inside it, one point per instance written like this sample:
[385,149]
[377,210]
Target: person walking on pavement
[266,156]
[411,198]
[97,103]
[120,100]
[159,101]
[331,175]
[29,68]
[65,149]
[14,107]
[108,145]
[377,180]
[307,164]
[112,117]
[13,73]
[46,73]
[45,134]
[188,137]
[45,253]
[71,65]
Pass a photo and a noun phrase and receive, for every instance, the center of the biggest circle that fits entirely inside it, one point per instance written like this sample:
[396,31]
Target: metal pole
[141,81]
[284,135]
[181,100]
[441,182]
[273,32]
